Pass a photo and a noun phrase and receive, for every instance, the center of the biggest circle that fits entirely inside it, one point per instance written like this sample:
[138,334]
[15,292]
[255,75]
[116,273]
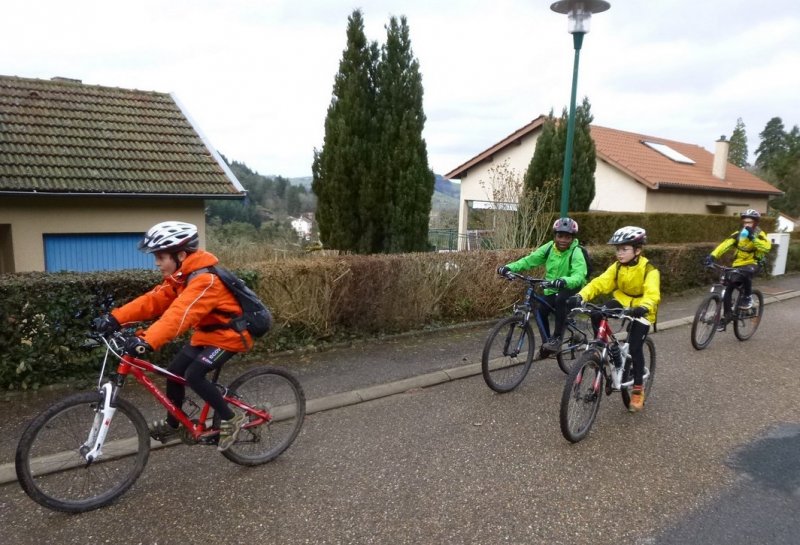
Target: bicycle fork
[92,449]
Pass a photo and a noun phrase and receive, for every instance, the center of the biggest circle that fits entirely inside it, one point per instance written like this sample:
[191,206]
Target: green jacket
[572,268]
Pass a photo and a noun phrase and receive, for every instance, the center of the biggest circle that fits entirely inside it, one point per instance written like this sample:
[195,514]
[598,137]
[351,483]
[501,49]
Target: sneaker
[553,345]
[745,303]
[160,430]
[637,399]
[721,327]
[229,430]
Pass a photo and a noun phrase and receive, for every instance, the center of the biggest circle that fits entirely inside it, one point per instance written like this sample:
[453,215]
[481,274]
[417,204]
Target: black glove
[136,346]
[574,301]
[638,312]
[559,283]
[750,230]
[708,260]
[503,271]
[105,324]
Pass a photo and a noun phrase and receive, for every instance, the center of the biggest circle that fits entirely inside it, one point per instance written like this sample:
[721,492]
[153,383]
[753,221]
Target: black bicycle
[511,345]
[723,305]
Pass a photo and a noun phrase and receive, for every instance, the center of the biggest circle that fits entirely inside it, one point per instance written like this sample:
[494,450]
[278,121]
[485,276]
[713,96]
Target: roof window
[667,151]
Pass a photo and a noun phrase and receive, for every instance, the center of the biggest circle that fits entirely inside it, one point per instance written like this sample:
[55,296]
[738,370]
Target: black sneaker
[553,345]
[746,303]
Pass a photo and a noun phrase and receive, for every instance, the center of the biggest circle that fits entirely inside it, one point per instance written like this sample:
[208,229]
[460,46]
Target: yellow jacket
[748,252]
[636,285]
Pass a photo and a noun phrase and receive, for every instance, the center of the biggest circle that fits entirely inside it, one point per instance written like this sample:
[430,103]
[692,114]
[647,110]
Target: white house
[635,173]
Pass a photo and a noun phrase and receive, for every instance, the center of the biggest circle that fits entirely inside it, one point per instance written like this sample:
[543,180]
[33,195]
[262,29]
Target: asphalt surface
[460,464]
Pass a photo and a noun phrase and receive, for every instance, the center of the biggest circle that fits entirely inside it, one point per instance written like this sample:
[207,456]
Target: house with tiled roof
[635,173]
[85,170]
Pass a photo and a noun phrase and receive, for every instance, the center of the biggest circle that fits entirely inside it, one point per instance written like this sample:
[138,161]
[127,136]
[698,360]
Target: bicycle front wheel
[649,350]
[578,333]
[508,354]
[706,320]
[51,469]
[746,321]
[581,397]
[279,393]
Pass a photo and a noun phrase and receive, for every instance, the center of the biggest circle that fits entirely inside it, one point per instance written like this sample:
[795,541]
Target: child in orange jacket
[204,305]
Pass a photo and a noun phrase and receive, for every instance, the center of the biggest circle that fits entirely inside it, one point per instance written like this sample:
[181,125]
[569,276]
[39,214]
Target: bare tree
[519,218]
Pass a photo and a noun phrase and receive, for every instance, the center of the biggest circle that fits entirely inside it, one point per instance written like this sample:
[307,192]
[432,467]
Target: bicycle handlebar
[529,279]
[618,313]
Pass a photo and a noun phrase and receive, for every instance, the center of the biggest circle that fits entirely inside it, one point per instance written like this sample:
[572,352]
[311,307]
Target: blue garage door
[87,252]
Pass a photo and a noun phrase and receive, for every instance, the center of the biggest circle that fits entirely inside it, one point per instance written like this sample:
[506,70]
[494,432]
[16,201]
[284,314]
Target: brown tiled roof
[60,136]
[627,152]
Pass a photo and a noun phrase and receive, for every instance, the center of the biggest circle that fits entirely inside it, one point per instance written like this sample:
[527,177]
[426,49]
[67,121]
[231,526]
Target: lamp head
[579,13]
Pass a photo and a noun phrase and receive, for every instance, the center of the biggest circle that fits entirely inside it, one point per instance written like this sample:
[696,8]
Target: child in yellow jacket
[636,284]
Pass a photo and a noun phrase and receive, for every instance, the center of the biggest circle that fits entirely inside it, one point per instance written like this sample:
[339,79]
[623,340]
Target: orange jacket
[176,308]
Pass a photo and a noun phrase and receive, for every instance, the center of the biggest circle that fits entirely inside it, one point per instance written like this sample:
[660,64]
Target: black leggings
[193,363]
[741,276]
[559,302]
[637,333]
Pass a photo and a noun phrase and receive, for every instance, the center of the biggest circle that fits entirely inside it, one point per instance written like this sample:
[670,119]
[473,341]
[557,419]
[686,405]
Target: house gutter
[182,196]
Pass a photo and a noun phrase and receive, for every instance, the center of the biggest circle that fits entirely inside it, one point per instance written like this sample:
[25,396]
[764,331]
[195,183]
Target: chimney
[720,158]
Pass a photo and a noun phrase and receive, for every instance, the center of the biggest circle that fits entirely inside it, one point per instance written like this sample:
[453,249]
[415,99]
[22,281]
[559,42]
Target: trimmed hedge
[45,317]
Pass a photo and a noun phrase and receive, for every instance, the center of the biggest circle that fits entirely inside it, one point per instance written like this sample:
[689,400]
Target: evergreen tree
[773,145]
[737,153]
[397,200]
[345,163]
[547,163]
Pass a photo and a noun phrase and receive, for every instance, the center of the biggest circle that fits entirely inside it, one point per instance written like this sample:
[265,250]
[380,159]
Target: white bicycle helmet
[629,234]
[170,236]
[750,213]
[566,225]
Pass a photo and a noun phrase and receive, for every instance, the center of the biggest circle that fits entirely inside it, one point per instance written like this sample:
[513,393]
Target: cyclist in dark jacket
[565,267]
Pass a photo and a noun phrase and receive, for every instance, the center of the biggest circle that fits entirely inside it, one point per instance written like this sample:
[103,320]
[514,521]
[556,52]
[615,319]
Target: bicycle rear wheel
[51,469]
[649,350]
[280,393]
[706,320]
[581,397]
[508,354]
[746,321]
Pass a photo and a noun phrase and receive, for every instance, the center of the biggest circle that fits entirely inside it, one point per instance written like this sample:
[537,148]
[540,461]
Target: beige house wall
[666,200]
[26,220]
[615,191]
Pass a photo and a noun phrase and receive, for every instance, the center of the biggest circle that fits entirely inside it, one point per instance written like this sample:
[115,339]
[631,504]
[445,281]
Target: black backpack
[589,269]
[255,318]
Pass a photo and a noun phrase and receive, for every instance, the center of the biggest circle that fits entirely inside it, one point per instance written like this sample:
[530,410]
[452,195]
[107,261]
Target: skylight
[667,151]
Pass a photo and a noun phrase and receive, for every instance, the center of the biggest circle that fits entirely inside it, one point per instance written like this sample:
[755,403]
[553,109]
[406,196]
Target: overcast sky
[257,75]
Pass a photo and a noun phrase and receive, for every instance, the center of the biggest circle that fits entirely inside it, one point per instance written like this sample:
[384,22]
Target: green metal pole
[577,40]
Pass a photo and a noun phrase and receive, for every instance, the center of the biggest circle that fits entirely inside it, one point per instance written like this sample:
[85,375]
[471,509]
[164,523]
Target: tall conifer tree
[547,162]
[403,166]
[737,152]
[346,161]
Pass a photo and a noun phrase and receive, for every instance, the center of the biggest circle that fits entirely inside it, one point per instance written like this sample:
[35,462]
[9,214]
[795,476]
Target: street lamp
[579,16]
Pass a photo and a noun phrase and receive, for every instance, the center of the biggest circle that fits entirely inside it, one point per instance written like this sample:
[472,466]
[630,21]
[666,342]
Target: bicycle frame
[532,304]
[604,338]
[129,365]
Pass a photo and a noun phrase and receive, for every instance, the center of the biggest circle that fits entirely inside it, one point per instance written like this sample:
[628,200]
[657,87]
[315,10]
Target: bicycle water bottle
[744,233]
[616,356]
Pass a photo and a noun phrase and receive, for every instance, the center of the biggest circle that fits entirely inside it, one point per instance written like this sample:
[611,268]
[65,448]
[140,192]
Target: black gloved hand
[136,346]
[750,231]
[503,271]
[708,260]
[559,283]
[105,324]
[574,301]
[638,312]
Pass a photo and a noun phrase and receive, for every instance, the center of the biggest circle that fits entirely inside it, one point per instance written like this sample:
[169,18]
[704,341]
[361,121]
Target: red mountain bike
[89,448]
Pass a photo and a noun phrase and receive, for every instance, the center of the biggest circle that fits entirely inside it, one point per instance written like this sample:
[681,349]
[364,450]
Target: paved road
[457,463]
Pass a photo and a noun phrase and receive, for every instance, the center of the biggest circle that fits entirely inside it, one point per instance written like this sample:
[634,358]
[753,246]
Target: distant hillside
[445,193]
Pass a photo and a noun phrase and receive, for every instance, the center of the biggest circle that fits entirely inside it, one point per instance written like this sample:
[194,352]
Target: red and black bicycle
[89,448]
